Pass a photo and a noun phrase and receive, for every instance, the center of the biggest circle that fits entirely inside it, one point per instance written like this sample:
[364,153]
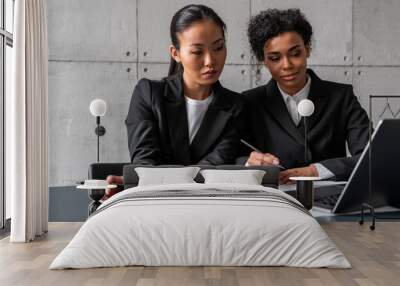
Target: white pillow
[248,177]
[163,176]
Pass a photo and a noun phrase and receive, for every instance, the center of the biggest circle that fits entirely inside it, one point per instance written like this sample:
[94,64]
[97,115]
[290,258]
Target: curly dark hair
[273,22]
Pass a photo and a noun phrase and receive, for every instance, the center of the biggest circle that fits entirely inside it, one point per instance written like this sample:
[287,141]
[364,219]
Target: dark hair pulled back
[182,20]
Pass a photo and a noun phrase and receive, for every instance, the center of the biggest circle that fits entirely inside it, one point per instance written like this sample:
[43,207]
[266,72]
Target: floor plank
[374,255]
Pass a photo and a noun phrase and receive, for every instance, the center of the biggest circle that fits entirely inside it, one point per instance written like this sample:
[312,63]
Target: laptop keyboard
[327,201]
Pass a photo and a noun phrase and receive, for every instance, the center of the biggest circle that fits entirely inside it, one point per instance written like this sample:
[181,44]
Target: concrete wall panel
[73,142]
[155,18]
[94,30]
[377,36]
[378,81]
[152,70]
[332,25]
[332,73]
[236,78]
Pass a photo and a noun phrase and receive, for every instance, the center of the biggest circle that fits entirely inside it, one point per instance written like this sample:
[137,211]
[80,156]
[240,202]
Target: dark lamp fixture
[98,108]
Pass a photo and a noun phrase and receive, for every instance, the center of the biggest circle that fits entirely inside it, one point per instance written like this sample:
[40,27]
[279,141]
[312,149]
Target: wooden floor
[374,255]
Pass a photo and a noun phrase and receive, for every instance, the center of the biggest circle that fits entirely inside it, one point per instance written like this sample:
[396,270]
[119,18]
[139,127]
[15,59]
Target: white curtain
[26,123]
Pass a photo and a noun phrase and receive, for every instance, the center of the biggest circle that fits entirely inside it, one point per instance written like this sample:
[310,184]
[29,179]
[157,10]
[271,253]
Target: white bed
[201,224]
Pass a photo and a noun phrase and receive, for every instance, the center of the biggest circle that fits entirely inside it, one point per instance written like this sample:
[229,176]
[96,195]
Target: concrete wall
[99,49]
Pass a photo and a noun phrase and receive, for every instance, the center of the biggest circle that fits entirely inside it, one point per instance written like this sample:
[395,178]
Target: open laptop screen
[385,171]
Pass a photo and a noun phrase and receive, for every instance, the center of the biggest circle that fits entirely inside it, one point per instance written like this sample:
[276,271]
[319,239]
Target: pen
[255,149]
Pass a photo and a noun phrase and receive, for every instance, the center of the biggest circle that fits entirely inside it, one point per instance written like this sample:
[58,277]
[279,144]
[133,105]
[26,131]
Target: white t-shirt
[196,109]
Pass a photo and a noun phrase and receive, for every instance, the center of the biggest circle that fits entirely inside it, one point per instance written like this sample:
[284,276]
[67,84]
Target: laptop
[385,178]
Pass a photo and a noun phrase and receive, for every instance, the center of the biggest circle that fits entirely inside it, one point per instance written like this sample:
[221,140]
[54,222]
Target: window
[6,44]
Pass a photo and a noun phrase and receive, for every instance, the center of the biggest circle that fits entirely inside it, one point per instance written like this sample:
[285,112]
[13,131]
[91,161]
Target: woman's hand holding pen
[257,158]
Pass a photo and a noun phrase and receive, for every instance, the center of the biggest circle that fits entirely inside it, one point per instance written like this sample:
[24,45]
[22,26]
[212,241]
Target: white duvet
[206,230]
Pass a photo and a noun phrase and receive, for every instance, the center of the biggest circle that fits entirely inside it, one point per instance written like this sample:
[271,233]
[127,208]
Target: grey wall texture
[100,48]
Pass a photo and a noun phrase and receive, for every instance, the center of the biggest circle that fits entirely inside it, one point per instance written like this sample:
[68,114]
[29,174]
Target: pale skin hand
[113,180]
[257,159]
[309,171]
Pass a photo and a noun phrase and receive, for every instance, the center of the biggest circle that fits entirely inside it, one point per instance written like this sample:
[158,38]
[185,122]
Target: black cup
[305,193]
[96,195]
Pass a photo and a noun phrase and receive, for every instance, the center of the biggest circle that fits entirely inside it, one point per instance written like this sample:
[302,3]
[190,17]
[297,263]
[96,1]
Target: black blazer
[338,118]
[158,128]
